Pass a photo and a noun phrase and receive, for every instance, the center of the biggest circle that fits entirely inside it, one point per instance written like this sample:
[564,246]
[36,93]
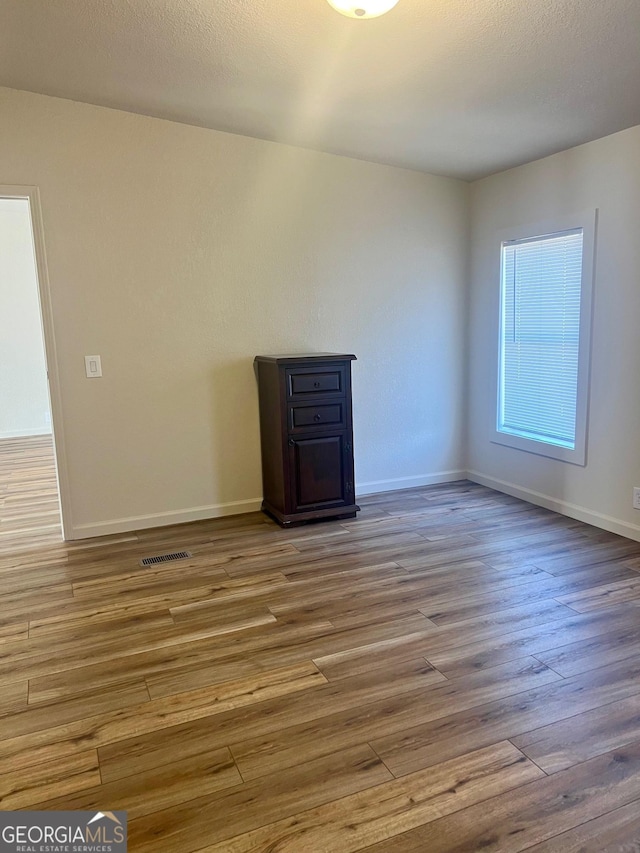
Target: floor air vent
[165,558]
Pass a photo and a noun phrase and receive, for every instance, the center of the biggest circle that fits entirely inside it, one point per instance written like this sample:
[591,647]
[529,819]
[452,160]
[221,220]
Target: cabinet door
[320,472]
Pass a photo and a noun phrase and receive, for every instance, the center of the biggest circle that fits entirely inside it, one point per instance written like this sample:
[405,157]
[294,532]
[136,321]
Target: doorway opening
[30,504]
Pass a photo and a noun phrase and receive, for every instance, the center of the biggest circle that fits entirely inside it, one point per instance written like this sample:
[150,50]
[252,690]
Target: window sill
[578,456]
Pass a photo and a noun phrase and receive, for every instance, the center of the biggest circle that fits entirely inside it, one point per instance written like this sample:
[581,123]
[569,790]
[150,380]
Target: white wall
[178,253]
[24,396]
[606,175]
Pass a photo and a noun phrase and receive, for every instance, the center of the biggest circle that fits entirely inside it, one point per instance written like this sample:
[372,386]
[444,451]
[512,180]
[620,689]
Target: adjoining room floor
[455,670]
[29,505]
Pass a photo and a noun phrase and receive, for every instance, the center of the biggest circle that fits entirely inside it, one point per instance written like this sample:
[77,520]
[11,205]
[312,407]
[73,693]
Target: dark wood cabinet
[306,435]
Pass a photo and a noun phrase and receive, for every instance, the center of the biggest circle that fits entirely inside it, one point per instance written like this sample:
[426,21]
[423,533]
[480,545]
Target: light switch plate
[93,366]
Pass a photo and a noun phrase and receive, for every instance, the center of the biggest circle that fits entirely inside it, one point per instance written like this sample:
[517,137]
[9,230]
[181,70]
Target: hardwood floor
[29,509]
[455,670]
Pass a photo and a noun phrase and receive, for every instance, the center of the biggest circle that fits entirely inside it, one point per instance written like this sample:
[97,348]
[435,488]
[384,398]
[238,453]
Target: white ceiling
[453,87]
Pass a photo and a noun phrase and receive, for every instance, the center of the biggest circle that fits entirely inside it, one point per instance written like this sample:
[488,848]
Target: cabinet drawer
[303,382]
[317,416]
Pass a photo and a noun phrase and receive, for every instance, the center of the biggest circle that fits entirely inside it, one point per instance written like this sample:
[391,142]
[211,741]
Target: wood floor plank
[14,697]
[347,554]
[26,786]
[614,832]
[508,552]
[603,595]
[490,627]
[532,813]
[197,824]
[36,582]
[278,715]
[445,609]
[14,631]
[71,616]
[97,609]
[620,643]
[21,606]
[161,788]
[244,653]
[589,554]
[402,592]
[30,719]
[25,743]
[107,629]
[548,642]
[35,659]
[256,756]
[480,643]
[560,745]
[172,576]
[383,653]
[429,742]
[377,814]
[487,625]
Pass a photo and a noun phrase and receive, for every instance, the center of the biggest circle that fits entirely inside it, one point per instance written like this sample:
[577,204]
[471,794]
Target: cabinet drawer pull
[316,384]
[292,442]
[317,418]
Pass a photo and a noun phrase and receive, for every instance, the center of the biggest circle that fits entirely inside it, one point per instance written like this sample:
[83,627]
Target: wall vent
[165,558]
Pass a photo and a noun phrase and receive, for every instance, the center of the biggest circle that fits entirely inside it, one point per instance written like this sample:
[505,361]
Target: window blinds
[540,332]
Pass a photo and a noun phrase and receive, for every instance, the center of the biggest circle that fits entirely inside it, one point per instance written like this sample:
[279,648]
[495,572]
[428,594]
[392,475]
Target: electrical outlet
[636,497]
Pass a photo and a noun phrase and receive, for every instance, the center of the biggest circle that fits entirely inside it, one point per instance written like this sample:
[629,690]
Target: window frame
[585,220]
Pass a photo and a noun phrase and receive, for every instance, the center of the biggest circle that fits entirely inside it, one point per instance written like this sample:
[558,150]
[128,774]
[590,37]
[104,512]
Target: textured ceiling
[453,87]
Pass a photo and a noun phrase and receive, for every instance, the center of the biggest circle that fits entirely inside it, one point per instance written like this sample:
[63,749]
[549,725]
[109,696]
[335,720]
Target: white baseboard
[163,519]
[580,513]
[24,433]
[409,482]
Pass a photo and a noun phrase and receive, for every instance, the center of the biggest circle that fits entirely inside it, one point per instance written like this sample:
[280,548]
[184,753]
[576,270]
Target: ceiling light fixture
[364,9]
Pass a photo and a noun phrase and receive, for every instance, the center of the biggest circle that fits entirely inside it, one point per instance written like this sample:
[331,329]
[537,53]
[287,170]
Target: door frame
[32,195]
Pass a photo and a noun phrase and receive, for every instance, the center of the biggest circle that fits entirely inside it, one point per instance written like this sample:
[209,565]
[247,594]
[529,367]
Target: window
[545,319]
